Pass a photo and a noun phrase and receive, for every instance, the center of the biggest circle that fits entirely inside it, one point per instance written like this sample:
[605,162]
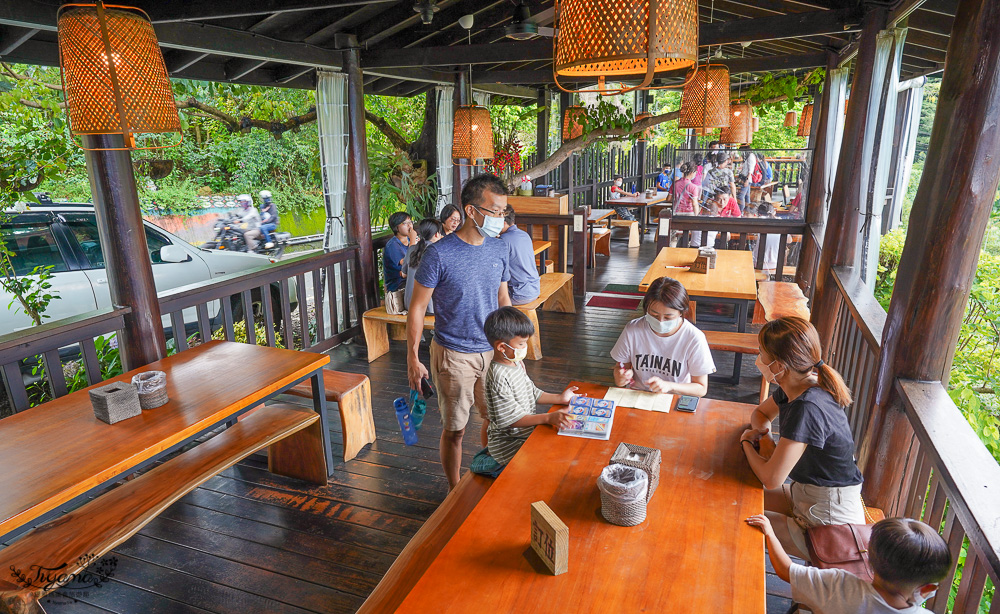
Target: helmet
[265,194]
[244,200]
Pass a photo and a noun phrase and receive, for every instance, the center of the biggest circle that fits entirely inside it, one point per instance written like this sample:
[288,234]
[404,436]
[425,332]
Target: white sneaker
[268,245]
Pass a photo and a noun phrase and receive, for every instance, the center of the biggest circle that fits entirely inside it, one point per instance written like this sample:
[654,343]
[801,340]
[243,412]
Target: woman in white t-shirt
[662,351]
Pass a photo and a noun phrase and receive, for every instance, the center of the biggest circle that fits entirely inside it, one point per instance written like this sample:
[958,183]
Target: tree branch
[386,128]
[7,70]
[245,124]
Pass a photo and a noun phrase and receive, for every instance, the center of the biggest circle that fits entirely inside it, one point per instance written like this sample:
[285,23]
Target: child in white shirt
[907,557]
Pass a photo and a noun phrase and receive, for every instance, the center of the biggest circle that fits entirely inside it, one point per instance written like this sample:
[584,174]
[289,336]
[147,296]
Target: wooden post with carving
[947,223]
[841,238]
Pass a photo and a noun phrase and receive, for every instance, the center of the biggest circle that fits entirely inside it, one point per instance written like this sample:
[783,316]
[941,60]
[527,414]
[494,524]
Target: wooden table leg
[561,300]
[300,455]
[319,404]
[376,336]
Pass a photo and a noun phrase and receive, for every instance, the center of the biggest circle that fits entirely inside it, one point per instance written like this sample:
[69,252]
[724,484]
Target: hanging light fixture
[805,120]
[113,73]
[573,122]
[472,129]
[791,120]
[646,134]
[705,101]
[740,127]
[624,38]
[756,124]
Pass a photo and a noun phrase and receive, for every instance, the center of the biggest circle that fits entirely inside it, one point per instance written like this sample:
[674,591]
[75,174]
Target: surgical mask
[919,598]
[662,327]
[618,183]
[519,353]
[491,226]
[765,370]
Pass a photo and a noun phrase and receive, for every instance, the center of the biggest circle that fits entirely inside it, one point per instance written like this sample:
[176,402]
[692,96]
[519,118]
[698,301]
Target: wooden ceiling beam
[447,20]
[290,72]
[926,39]
[400,17]
[779,27]
[346,22]
[196,10]
[514,51]
[12,37]
[177,60]
[935,23]
[238,68]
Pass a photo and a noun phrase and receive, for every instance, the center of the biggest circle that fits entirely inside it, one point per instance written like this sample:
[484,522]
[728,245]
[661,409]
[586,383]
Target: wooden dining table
[693,553]
[640,202]
[59,451]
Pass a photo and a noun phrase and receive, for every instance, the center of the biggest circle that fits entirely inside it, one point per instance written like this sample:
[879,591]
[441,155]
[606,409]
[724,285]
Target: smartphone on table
[687,403]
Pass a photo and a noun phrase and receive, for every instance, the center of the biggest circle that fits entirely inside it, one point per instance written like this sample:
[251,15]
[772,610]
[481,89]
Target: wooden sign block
[700,265]
[549,538]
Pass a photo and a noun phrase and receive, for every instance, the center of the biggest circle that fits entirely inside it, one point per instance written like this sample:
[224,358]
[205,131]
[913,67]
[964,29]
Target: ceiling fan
[521,26]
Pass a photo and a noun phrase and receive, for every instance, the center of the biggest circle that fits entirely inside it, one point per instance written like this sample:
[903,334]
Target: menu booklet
[592,418]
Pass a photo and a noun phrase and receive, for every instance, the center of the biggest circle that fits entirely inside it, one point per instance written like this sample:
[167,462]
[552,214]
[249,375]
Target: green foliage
[31,293]
[763,93]
[406,115]
[890,251]
[399,185]
[108,357]
[240,334]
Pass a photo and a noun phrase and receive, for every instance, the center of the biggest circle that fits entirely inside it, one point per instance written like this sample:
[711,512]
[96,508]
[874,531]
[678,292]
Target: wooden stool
[633,230]
[352,392]
[600,245]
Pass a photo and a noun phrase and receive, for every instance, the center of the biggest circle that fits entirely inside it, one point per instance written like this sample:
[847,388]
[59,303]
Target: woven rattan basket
[152,388]
[648,461]
[623,506]
[115,402]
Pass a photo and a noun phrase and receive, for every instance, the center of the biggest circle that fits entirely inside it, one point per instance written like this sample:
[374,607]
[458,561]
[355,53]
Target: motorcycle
[229,236]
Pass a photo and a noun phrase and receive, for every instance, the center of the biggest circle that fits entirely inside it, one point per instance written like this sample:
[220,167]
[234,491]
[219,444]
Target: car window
[30,246]
[84,228]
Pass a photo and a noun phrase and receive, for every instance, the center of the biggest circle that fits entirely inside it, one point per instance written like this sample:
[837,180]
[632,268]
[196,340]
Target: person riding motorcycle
[269,215]
[251,218]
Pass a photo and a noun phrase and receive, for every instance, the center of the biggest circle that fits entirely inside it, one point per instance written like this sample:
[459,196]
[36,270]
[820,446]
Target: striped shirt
[510,396]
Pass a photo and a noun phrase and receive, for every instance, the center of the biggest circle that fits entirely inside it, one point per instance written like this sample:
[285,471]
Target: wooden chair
[72,541]
[352,392]
[740,343]
[556,295]
[600,244]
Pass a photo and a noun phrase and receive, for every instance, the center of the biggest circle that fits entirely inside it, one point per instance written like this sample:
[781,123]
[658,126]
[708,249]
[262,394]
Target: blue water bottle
[418,407]
[633,187]
[405,422]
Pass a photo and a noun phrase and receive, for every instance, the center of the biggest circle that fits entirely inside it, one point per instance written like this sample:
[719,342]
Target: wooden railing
[308,303]
[950,481]
[742,231]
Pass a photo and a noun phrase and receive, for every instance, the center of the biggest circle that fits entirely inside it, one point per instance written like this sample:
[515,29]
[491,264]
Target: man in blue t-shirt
[467,274]
[525,284]
[395,250]
[665,179]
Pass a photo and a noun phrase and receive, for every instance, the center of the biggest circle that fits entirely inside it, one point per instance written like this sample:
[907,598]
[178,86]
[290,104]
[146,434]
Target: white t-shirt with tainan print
[673,359]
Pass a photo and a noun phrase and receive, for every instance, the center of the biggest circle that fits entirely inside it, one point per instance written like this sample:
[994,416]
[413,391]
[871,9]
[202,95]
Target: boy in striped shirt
[510,394]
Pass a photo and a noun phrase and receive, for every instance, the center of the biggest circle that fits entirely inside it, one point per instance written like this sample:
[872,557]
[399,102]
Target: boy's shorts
[460,382]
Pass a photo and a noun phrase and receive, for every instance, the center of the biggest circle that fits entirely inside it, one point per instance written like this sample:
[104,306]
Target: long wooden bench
[739,343]
[69,543]
[352,392]
[426,544]
[556,294]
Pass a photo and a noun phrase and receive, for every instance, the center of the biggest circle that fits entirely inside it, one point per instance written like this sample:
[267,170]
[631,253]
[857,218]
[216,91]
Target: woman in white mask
[662,351]
[816,448]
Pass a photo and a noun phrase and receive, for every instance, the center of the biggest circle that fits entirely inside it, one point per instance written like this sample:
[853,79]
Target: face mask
[765,370]
[618,183]
[662,327]
[519,353]
[919,598]
[491,226]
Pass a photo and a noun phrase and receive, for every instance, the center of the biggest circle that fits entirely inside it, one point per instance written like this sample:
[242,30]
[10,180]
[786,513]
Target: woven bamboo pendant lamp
[756,124]
[473,134]
[113,73]
[624,38]
[791,120]
[646,134]
[805,120]
[740,130]
[573,122]
[705,101]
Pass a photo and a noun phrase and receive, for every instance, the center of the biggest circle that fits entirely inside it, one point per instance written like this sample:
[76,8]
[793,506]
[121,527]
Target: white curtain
[885,80]
[445,128]
[331,116]
[835,126]
[908,145]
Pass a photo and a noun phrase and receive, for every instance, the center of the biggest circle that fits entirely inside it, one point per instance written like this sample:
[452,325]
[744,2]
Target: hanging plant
[772,93]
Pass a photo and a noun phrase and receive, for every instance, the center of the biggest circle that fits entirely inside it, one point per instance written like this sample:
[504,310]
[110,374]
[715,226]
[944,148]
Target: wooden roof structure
[282,42]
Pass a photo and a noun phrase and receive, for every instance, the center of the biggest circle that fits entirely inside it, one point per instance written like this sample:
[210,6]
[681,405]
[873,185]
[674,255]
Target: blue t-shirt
[524,285]
[393,253]
[663,181]
[466,280]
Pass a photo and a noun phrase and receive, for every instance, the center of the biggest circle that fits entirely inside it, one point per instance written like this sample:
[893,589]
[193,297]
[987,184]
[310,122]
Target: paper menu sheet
[640,399]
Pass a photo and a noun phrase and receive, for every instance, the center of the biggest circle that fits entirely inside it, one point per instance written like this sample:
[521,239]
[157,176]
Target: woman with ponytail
[429,230]
[816,448]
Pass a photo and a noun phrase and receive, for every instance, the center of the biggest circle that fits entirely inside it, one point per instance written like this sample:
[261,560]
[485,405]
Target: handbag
[841,546]
[394,304]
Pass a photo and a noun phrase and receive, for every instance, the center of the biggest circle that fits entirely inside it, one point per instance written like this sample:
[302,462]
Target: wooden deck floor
[249,541]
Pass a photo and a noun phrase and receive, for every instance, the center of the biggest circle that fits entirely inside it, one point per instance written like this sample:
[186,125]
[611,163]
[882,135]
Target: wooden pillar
[126,256]
[943,241]
[542,130]
[359,188]
[641,106]
[818,180]
[581,249]
[565,100]
[461,168]
[840,240]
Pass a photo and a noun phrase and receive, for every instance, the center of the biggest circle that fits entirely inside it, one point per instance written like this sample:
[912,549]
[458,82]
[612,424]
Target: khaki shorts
[813,505]
[460,380]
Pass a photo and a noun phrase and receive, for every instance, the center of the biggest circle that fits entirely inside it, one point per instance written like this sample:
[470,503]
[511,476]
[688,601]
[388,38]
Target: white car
[65,236]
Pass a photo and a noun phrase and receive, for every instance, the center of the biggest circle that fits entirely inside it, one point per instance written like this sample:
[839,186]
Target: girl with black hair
[429,231]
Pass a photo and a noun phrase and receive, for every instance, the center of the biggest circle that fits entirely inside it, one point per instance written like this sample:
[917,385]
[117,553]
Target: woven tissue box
[640,457]
[710,253]
[115,402]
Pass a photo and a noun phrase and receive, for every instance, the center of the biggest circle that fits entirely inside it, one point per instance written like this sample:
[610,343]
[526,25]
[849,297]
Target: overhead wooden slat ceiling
[281,42]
